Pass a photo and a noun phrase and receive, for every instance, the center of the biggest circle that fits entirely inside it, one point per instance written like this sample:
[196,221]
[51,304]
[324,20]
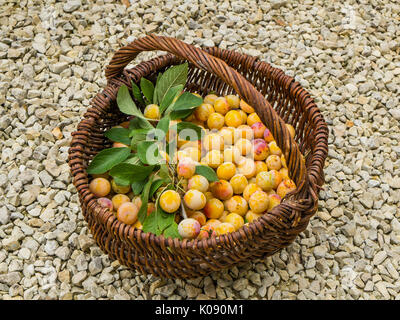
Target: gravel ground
[52,59]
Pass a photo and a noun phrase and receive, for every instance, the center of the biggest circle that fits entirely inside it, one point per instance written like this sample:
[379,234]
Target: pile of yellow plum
[252,172]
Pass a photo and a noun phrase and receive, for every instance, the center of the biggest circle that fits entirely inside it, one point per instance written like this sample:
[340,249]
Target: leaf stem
[184,215]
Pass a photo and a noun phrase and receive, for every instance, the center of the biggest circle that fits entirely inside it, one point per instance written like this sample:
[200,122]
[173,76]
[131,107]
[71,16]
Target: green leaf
[169,97]
[165,220]
[131,172]
[132,159]
[171,149]
[137,123]
[148,152]
[159,76]
[186,101]
[158,221]
[138,135]
[125,102]
[147,88]
[118,135]
[172,77]
[128,106]
[154,187]
[174,115]
[137,94]
[106,159]
[133,124]
[188,131]
[207,172]
[137,186]
[157,135]
[145,198]
[163,124]
[121,181]
[138,132]
[164,173]
[150,223]
[172,231]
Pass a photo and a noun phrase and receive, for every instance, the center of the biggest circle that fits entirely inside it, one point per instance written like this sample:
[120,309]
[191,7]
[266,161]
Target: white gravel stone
[4,215]
[79,277]
[72,5]
[10,278]
[24,253]
[63,253]
[11,243]
[379,257]
[39,43]
[58,67]
[276,4]
[45,178]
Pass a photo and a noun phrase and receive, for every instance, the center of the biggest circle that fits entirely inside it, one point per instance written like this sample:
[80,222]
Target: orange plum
[189,228]
[273,162]
[258,129]
[268,136]
[274,200]
[203,112]
[194,199]
[258,202]
[260,149]
[119,199]
[221,189]
[170,201]
[100,187]
[237,204]
[213,208]
[206,232]
[285,187]
[127,213]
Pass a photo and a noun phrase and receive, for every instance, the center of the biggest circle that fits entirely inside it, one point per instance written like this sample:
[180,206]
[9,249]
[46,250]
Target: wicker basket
[276,98]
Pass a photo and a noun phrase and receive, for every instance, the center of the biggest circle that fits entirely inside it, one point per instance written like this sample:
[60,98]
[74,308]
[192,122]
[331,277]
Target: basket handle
[244,89]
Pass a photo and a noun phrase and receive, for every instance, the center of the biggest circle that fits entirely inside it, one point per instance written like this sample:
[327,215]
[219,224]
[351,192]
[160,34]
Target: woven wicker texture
[276,98]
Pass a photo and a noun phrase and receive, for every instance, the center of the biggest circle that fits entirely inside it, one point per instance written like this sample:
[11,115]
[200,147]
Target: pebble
[209,288]
[379,257]
[58,67]
[24,253]
[39,43]
[240,284]
[79,277]
[10,278]
[14,53]
[63,253]
[320,252]
[85,242]
[192,291]
[4,215]
[337,212]
[95,266]
[166,291]
[367,200]
[276,4]
[45,178]
[72,5]
[11,243]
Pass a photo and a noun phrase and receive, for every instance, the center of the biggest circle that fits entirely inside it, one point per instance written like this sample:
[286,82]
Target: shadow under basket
[277,99]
